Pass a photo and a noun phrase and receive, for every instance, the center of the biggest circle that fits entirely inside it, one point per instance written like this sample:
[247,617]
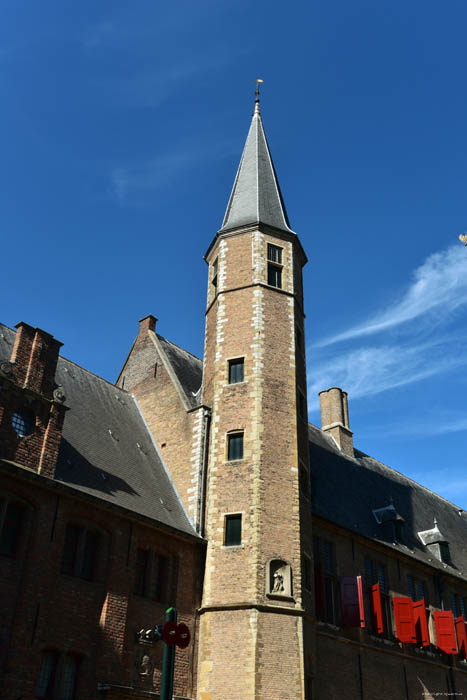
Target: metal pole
[168,661]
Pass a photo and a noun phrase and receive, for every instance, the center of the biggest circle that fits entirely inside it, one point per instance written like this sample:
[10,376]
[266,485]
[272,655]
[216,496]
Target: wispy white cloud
[99,34]
[370,370]
[438,290]
[421,423]
[422,347]
[443,482]
[131,182]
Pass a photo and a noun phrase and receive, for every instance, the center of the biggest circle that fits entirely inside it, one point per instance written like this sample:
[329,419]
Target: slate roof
[107,450]
[345,491]
[256,196]
[187,367]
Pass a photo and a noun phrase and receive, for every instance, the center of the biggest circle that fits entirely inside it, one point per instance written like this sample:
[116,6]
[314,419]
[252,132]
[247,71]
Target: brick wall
[44,609]
[251,320]
[356,663]
[177,429]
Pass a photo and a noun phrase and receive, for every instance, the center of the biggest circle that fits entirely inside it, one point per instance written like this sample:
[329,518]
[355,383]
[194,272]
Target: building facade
[302,567]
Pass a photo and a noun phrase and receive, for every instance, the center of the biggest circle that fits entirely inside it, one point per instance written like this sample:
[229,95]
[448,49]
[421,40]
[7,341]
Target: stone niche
[279,579]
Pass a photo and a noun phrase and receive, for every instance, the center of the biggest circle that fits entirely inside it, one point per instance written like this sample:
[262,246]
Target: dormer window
[444,552]
[23,422]
[392,524]
[436,543]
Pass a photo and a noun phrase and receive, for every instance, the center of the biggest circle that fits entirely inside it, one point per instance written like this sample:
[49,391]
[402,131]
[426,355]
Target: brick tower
[258,521]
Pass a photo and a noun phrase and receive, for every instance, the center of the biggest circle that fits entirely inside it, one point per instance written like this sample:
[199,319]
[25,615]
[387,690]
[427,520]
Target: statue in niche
[278,583]
[145,666]
[279,578]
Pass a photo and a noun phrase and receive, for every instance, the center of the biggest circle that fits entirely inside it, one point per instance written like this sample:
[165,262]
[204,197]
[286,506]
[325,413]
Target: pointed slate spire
[256,195]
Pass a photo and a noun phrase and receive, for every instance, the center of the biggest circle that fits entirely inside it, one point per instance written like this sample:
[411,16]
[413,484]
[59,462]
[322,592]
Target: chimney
[35,354]
[147,323]
[32,408]
[335,418]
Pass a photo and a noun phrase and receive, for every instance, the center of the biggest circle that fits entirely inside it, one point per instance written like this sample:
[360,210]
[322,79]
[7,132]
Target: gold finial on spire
[463,238]
[258,81]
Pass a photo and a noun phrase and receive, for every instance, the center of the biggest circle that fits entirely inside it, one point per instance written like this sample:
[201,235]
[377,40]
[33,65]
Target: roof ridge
[179,347]
[408,478]
[396,471]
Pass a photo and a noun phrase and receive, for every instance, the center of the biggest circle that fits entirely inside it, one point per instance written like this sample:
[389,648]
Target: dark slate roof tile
[346,491]
[107,450]
[187,367]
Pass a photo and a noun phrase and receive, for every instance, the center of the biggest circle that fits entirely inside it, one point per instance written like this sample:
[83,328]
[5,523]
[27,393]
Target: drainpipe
[204,468]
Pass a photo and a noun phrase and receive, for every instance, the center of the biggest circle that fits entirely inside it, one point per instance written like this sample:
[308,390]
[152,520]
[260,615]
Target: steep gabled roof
[106,449]
[187,368]
[256,196]
[346,491]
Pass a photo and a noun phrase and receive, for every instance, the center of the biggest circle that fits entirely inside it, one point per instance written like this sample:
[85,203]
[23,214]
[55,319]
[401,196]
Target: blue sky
[122,125]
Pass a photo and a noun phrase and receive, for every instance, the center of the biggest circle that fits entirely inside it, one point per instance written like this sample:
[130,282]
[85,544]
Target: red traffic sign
[176,634]
[169,633]
[182,638]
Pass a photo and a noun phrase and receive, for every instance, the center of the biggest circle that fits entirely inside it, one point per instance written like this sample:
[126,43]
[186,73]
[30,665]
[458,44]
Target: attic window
[444,552]
[383,515]
[23,422]
[399,531]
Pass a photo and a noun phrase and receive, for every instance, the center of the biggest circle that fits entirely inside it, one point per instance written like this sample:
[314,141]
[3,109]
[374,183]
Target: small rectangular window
[235,446]
[162,578]
[46,677]
[274,254]
[11,529]
[142,581]
[68,677]
[236,370]
[233,530]
[73,534]
[88,564]
[328,557]
[445,553]
[275,276]
[214,273]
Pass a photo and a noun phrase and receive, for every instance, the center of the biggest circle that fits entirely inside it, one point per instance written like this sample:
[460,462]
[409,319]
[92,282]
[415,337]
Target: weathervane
[258,81]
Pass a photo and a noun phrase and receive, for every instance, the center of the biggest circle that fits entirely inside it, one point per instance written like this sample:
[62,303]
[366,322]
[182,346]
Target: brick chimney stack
[35,354]
[335,418]
[32,407]
[147,323]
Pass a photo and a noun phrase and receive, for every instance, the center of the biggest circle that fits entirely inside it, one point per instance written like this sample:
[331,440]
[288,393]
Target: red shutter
[445,633]
[403,614]
[350,602]
[319,598]
[376,609]
[421,625]
[461,636]
[360,601]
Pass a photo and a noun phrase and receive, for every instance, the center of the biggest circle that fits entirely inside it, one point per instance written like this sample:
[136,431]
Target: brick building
[302,567]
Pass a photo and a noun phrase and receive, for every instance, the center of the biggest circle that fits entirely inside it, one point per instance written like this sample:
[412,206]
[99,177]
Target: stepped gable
[106,449]
[187,367]
[346,491]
